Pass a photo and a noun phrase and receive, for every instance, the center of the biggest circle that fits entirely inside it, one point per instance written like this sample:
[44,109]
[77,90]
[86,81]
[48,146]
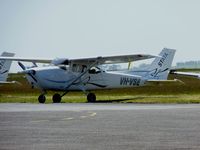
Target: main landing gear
[91,98]
[56,98]
[42,98]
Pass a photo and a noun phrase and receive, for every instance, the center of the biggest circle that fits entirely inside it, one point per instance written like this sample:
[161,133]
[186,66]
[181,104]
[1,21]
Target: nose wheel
[91,97]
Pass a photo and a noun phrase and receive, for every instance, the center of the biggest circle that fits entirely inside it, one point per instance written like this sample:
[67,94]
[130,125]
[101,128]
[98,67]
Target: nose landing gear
[91,97]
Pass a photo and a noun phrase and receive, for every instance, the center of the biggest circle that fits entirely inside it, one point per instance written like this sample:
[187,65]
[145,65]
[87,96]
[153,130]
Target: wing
[40,60]
[189,74]
[86,61]
[112,59]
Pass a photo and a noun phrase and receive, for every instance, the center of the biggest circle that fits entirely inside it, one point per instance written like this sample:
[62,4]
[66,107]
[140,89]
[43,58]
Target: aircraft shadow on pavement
[118,100]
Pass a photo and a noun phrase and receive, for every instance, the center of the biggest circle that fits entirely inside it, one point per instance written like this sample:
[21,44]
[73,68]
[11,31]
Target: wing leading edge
[101,60]
[35,60]
[112,59]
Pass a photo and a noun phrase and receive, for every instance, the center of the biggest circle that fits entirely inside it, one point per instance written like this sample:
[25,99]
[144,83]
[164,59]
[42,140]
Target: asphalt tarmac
[99,127]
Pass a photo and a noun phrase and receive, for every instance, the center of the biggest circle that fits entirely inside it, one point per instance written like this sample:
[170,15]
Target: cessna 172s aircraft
[85,74]
[5,67]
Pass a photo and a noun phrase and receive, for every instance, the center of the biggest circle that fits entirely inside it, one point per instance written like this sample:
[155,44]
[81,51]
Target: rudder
[160,67]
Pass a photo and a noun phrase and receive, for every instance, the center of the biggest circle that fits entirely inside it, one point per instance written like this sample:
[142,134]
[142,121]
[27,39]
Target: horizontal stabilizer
[164,82]
[187,74]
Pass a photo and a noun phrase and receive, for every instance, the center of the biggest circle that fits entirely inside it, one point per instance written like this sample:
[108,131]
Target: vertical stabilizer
[160,67]
[5,66]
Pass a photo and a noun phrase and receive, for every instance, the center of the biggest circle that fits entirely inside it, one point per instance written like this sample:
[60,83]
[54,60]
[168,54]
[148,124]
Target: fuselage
[58,78]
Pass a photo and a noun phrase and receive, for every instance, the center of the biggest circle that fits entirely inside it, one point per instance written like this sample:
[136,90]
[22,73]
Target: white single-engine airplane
[5,67]
[85,74]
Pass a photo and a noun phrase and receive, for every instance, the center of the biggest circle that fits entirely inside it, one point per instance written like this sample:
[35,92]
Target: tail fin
[160,67]
[5,66]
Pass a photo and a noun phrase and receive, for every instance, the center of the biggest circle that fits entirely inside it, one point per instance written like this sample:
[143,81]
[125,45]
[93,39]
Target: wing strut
[78,77]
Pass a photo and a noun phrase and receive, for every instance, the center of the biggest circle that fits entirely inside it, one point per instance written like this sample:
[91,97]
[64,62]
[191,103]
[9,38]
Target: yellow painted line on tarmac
[83,116]
[67,118]
[38,121]
[93,114]
[89,115]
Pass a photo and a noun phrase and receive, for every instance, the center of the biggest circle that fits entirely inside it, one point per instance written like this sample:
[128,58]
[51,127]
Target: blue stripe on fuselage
[56,81]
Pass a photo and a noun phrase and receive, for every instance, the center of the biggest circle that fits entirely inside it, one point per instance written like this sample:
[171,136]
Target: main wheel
[91,97]
[56,98]
[42,98]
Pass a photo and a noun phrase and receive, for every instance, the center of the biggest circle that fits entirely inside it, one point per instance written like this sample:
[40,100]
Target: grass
[187,93]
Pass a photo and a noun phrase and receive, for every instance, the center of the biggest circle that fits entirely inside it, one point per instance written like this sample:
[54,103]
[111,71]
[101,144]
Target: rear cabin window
[78,68]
